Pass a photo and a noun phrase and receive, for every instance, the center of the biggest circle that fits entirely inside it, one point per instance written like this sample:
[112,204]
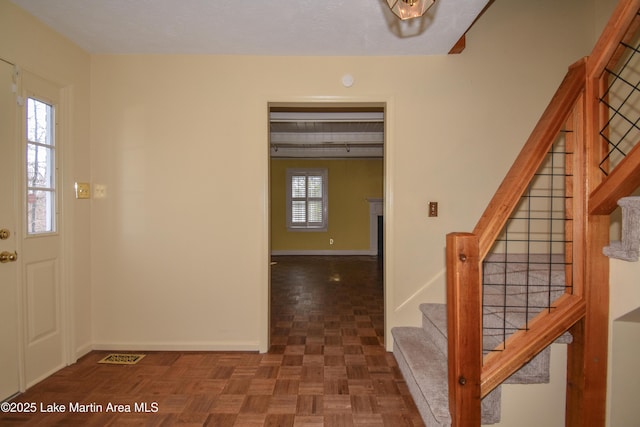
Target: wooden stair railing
[584,311]
[523,345]
[530,158]
[471,378]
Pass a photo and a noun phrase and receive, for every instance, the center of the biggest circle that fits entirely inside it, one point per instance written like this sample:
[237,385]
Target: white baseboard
[44,376]
[177,346]
[81,351]
[325,252]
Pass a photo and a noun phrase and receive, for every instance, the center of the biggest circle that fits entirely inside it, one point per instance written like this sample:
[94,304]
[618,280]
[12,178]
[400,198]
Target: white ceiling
[267,27]
[255,27]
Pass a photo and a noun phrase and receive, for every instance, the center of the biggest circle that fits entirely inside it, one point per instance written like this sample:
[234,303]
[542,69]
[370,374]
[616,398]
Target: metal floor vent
[122,359]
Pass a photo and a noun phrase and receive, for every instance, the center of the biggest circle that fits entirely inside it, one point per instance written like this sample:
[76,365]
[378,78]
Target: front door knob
[6,256]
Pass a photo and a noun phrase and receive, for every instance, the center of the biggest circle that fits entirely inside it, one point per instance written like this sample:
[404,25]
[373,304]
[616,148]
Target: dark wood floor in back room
[326,366]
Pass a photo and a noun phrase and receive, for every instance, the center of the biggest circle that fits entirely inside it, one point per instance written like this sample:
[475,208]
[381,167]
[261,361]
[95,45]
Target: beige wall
[625,376]
[180,250]
[625,297]
[177,251]
[351,183]
[34,48]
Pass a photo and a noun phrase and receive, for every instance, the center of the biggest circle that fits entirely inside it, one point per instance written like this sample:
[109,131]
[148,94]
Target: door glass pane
[39,122]
[40,168]
[39,206]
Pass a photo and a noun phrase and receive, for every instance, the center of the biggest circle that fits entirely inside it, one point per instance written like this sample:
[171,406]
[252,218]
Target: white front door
[9,343]
[40,200]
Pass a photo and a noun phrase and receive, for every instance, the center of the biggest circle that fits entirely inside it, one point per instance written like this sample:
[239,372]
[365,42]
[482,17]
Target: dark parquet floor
[326,367]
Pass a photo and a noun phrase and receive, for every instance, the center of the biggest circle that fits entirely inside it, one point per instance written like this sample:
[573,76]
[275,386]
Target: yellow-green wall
[351,183]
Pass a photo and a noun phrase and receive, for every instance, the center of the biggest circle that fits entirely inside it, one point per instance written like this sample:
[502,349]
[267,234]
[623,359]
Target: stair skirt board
[424,368]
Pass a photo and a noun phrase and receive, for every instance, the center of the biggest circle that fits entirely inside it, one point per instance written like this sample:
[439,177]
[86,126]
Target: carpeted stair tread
[435,316]
[424,368]
[515,288]
[425,371]
[434,321]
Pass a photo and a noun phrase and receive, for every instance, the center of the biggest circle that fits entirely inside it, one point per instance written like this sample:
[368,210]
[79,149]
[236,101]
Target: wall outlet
[99,191]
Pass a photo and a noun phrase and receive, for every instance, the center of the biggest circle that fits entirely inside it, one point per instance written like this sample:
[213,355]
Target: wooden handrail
[605,48]
[530,158]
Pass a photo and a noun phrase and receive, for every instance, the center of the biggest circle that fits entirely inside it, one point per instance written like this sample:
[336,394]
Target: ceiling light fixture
[408,9]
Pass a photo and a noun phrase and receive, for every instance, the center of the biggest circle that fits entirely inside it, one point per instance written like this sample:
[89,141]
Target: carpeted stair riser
[627,249]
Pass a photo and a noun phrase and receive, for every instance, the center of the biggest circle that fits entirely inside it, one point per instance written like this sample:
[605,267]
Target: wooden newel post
[464,319]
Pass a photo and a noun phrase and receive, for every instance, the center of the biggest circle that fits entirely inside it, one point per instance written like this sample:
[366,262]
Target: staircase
[421,352]
[422,359]
[533,272]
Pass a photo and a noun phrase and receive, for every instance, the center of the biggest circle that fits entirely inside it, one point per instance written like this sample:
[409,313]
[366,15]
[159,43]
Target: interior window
[307,199]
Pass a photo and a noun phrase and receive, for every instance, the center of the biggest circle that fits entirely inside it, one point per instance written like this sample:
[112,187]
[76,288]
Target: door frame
[386,102]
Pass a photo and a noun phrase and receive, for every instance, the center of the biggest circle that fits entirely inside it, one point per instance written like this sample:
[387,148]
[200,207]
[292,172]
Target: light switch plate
[83,190]
[433,208]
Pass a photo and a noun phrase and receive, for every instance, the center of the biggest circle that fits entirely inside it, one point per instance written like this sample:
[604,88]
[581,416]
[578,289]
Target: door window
[40,168]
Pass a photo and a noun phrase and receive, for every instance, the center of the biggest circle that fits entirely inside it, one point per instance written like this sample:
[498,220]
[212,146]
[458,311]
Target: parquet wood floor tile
[326,366]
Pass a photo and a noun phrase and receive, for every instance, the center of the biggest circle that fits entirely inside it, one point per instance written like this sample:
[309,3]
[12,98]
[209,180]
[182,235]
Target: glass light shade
[407,9]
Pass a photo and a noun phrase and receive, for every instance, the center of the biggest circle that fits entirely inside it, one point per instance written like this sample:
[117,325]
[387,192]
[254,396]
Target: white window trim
[323,172]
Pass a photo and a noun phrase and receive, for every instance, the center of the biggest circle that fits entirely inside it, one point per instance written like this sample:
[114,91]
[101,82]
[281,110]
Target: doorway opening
[326,199]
